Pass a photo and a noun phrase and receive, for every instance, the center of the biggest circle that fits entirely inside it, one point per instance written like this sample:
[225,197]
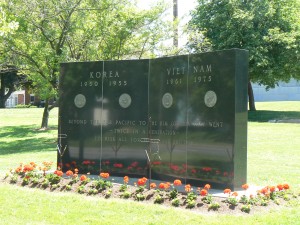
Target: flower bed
[168,194]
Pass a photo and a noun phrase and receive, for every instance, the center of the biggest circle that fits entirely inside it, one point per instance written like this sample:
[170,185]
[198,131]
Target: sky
[184,6]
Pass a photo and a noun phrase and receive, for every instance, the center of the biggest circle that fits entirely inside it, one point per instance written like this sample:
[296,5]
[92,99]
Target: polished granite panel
[80,88]
[168,111]
[176,117]
[212,118]
[125,112]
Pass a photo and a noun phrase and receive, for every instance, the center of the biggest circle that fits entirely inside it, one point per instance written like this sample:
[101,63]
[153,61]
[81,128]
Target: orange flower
[47,165]
[245,186]
[207,186]
[280,187]
[203,192]
[142,181]
[18,170]
[272,188]
[58,173]
[162,185]
[126,179]
[235,194]
[286,186]
[69,173]
[76,170]
[153,185]
[265,190]
[83,178]
[28,168]
[187,188]
[177,182]
[104,175]
[227,191]
[33,164]
[167,185]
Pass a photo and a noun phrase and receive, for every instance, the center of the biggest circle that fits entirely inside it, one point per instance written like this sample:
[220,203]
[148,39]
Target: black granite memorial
[181,117]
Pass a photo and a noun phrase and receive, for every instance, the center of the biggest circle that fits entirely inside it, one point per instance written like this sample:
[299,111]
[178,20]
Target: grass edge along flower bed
[166,193]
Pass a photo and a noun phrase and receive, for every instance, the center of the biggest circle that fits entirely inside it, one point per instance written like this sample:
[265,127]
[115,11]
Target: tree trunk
[45,115]
[2,92]
[251,97]
[4,97]
[2,103]
[4,85]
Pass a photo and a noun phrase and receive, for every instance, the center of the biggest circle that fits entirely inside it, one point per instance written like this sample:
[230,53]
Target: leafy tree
[269,29]
[6,27]
[9,79]
[55,31]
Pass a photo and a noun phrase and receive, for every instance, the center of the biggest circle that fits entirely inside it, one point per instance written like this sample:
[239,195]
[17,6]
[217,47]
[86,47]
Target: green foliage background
[268,29]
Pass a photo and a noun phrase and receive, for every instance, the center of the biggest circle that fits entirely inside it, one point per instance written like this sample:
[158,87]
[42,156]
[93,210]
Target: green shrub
[175,202]
[158,199]
[126,194]
[214,206]
[246,208]
[21,106]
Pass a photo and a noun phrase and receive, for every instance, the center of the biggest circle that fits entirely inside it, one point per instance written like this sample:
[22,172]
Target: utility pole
[175,17]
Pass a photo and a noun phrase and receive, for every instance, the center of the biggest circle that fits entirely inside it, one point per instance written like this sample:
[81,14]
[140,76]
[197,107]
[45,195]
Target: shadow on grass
[21,139]
[268,115]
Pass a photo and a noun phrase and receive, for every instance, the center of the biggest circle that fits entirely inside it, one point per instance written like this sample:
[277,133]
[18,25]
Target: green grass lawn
[273,148]
[22,141]
[273,157]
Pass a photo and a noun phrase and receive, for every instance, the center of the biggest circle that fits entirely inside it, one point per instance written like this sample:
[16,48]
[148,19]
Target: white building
[284,92]
[20,97]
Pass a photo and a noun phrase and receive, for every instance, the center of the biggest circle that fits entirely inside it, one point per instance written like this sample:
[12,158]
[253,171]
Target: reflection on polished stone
[181,117]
